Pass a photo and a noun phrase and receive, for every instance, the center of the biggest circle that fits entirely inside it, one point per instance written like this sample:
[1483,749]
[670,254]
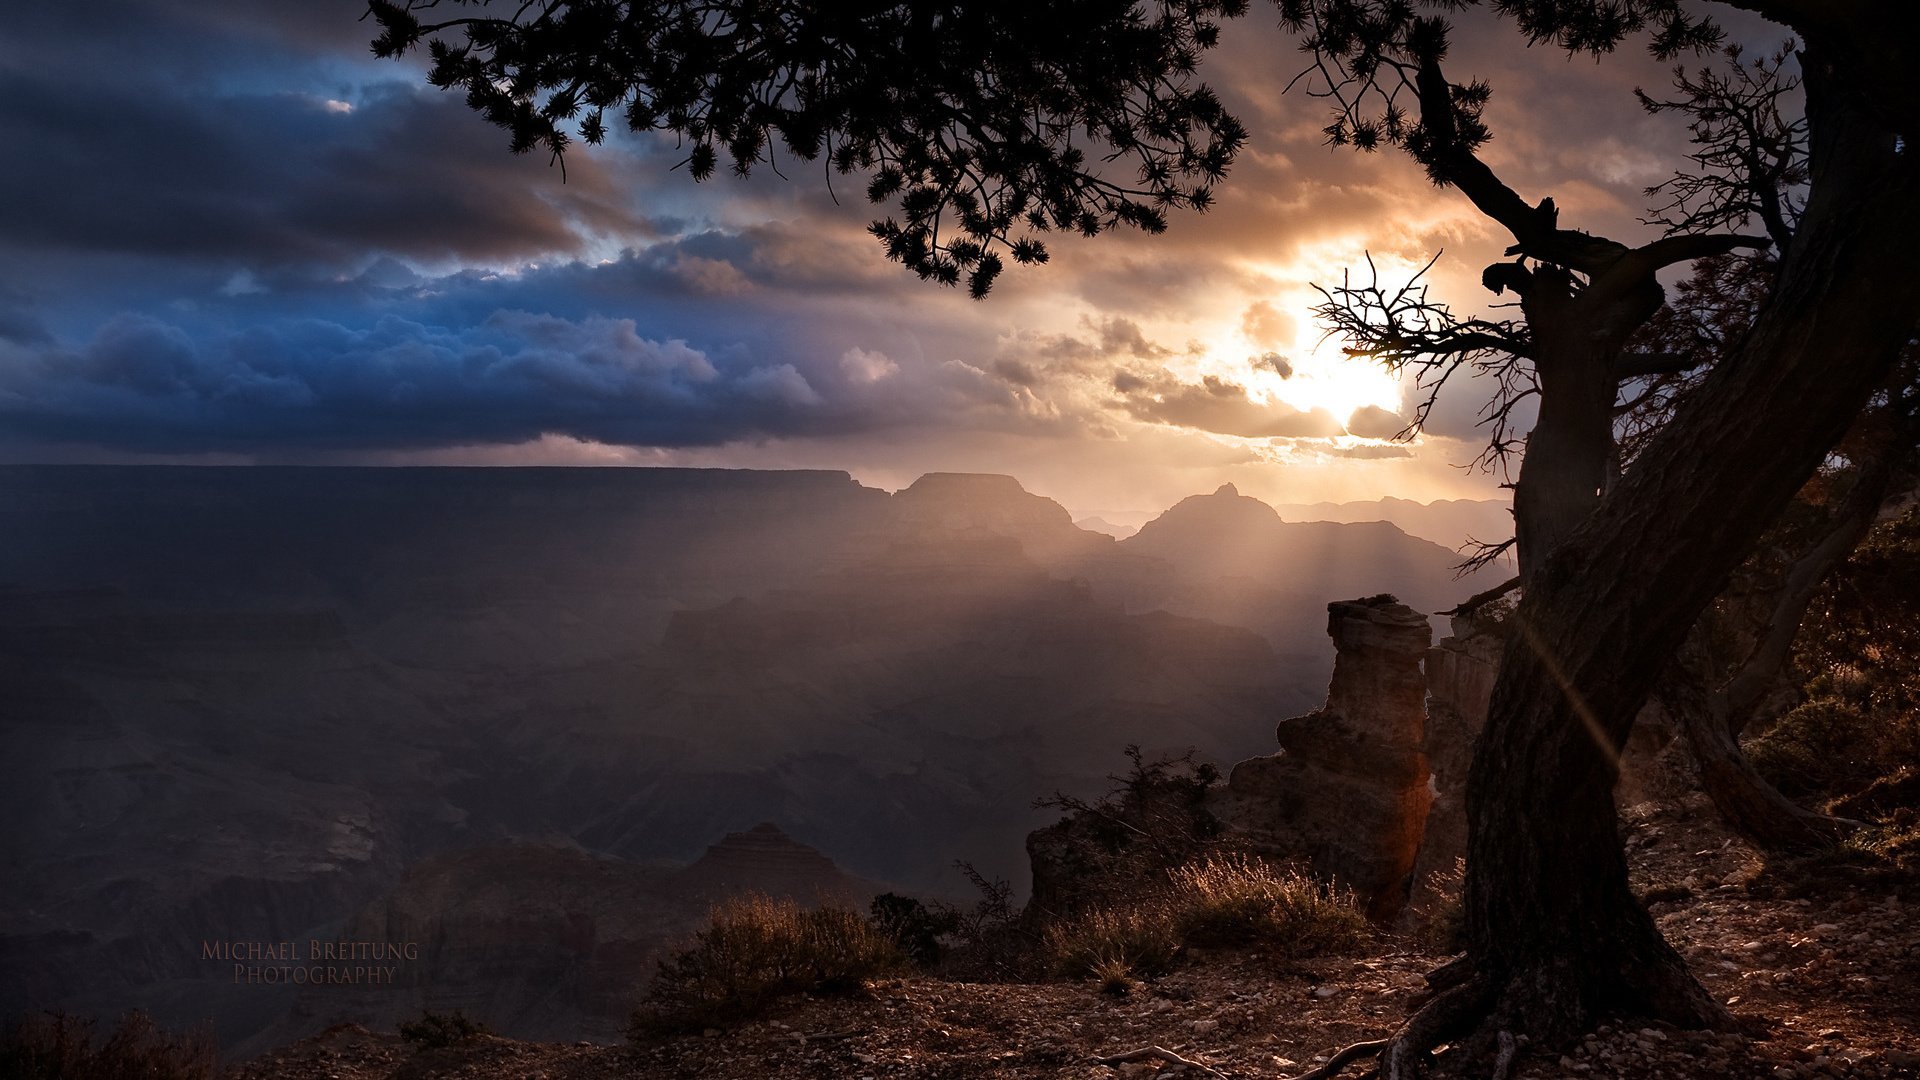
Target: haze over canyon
[535,720]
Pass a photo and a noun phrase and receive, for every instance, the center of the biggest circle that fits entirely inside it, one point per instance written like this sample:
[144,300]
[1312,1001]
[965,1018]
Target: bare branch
[1482,599]
[1149,1053]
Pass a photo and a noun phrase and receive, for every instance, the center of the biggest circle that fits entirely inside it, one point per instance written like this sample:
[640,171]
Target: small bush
[1115,978]
[756,950]
[991,940]
[436,1030]
[1439,919]
[1105,850]
[1237,900]
[1141,938]
[916,930]
[1821,746]
[1894,843]
[1220,900]
[55,1046]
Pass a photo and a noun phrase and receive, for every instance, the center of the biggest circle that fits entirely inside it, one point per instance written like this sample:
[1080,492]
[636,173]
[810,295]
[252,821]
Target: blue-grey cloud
[145,385]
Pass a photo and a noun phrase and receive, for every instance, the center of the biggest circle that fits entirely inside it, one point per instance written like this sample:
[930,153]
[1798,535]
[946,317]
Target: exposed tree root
[1343,1058]
[1453,1012]
[1148,1052]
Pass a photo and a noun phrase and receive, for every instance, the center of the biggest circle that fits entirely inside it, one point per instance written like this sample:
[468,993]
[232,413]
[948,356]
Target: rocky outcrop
[764,859]
[1348,791]
[1233,560]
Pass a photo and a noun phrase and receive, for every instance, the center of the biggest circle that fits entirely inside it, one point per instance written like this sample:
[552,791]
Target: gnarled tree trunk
[1712,720]
[1556,938]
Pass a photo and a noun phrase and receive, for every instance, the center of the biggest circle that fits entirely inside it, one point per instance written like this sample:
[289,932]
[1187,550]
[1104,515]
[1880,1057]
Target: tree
[1751,164]
[1003,121]
[1555,938]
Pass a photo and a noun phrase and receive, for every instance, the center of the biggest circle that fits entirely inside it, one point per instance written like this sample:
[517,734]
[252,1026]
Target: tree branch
[1642,365]
[1744,692]
[1147,1053]
[1482,599]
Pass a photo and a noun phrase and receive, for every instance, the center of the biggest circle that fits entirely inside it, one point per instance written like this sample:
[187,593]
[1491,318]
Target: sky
[228,234]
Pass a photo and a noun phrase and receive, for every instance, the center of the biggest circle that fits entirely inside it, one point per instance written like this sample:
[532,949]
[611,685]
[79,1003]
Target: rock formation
[1348,790]
[766,860]
[1234,561]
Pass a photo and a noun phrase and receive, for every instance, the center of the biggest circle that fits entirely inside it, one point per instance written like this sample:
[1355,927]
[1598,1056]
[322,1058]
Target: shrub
[756,950]
[1106,850]
[441,1029]
[1238,900]
[915,929]
[1219,900]
[55,1046]
[991,939]
[1822,746]
[1439,919]
[1114,977]
[1116,940]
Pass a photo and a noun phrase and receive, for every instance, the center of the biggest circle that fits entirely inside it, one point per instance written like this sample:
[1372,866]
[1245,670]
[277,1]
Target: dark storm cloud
[143,384]
[281,178]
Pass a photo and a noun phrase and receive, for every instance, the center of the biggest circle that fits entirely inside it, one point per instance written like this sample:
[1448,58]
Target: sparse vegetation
[435,1029]
[1238,900]
[917,930]
[1817,747]
[55,1046]
[1439,921]
[757,949]
[1115,941]
[991,942]
[1669,892]
[1220,900]
[1151,819]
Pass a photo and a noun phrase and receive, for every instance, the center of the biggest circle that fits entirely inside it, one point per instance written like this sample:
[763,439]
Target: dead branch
[1481,599]
[1343,1058]
[1147,1053]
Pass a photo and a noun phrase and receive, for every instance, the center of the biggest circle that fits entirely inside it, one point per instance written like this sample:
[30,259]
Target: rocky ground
[1821,965]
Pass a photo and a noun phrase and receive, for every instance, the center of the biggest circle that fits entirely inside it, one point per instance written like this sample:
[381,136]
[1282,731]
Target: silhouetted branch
[983,127]
[1402,329]
[1481,599]
[1752,156]
[1642,365]
[1149,1053]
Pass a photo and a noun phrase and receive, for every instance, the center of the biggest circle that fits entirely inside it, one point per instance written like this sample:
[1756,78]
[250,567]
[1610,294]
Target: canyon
[277,704]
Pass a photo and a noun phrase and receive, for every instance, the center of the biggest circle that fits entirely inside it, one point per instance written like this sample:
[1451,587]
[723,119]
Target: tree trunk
[1578,335]
[1712,721]
[1566,456]
[1556,936]
[1745,800]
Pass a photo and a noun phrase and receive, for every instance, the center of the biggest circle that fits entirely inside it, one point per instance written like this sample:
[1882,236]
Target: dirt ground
[1820,964]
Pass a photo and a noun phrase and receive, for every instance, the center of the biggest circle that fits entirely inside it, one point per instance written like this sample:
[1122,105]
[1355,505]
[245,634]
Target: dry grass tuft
[1215,901]
[1140,938]
[1237,900]
[756,950]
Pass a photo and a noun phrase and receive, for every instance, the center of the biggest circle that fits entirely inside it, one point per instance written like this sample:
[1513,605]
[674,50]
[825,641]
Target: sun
[1310,374]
